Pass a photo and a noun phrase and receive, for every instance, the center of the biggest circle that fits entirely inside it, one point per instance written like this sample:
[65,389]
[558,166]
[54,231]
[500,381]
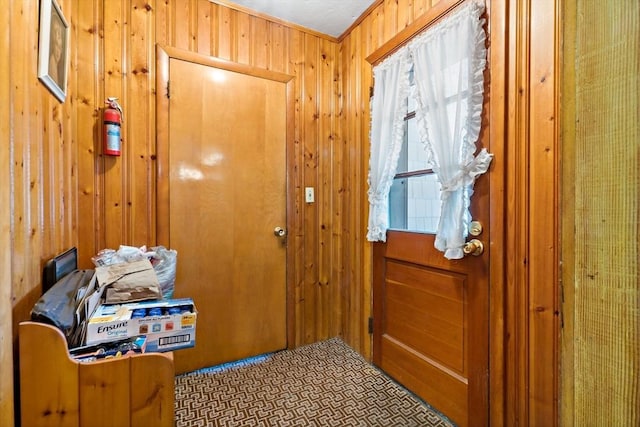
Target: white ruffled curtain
[388,109]
[448,62]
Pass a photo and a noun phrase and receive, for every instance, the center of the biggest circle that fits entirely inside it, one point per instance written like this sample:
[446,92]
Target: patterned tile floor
[322,384]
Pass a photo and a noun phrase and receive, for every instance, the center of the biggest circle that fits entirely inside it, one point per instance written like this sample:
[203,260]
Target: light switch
[309,197]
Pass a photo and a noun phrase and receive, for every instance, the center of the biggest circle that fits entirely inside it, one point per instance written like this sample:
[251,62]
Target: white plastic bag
[162,259]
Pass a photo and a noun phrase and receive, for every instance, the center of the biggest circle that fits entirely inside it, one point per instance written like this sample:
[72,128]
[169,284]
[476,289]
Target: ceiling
[331,17]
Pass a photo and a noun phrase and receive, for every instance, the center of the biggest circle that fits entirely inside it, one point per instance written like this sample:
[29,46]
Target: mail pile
[128,295]
[131,304]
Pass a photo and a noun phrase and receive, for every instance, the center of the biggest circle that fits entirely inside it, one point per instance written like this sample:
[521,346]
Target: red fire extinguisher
[111,123]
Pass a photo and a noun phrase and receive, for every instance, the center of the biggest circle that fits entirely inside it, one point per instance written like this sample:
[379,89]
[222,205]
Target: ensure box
[168,324]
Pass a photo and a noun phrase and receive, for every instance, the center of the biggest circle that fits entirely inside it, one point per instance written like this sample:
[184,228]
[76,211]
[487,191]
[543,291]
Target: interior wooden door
[432,315]
[226,182]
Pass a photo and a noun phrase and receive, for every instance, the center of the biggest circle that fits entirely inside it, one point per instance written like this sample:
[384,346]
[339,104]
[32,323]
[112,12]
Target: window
[447,60]
[414,198]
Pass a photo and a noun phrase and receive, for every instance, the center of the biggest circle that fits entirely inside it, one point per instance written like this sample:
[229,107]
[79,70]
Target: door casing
[163,56]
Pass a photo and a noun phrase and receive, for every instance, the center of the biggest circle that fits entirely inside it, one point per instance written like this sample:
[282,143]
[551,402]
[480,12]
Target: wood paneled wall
[59,191]
[38,178]
[116,48]
[53,148]
[116,201]
[384,20]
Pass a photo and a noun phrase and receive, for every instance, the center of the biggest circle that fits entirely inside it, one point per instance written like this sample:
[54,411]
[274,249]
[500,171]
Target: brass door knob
[279,232]
[473,247]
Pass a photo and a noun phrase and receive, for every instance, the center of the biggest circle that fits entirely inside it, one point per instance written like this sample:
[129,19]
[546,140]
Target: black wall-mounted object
[56,268]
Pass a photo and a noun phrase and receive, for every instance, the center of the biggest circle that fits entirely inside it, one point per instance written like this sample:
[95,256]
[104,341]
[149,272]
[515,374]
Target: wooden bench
[56,390]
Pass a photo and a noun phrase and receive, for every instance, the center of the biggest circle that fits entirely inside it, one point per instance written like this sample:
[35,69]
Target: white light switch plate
[309,197]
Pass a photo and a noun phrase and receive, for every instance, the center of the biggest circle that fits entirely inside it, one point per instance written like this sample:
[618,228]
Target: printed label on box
[169,320]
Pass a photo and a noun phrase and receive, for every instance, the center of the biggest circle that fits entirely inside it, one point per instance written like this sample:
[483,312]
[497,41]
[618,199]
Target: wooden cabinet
[56,390]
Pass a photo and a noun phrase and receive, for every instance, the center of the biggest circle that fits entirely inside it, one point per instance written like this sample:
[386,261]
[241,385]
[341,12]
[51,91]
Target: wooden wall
[116,201]
[384,20]
[56,190]
[53,148]
[38,178]
[601,337]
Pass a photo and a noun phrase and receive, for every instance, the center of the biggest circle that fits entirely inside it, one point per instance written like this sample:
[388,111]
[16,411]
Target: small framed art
[53,55]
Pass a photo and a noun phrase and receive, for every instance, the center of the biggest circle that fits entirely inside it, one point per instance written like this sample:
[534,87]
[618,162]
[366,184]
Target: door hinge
[168,94]
[370,325]
[370,91]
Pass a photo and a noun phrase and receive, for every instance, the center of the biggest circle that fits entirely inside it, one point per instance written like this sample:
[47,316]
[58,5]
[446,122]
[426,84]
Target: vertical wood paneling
[278,49]
[180,24]
[543,305]
[114,178]
[516,311]
[38,178]
[225,28]
[355,154]
[420,7]
[337,210]
[310,177]
[379,29]
[6,324]
[405,13]
[50,148]
[19,160]
[367,257]
[163,22]
[204,27]
[242,38]
[497,131]
[391,18]
[140,127]
[361,284]
[88,129]
[323,189]
[568,218]
[260,42]
[210,28]
[296,239]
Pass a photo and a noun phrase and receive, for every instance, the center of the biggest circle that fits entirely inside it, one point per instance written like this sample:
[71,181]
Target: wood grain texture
[154,400]
[601,288]
[56,370]
[543,215]
[38,180]
[331,267]
[61,191]
[57,391]
[532,259]
[6,325]
[497,126]
[227,185]
[118,195]
[107,382]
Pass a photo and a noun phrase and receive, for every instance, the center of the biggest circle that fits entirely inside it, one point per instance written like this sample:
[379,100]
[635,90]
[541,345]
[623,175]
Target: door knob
[279,232]
[473,247]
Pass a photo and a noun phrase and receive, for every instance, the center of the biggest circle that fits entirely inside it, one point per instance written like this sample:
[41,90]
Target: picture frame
[53,54]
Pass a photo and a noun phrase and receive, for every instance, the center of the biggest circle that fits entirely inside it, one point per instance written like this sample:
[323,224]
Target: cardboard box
[168,324]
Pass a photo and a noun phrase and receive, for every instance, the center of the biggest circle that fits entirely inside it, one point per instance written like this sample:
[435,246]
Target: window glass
[414,199]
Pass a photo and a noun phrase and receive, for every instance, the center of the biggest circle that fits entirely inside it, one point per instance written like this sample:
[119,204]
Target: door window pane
[414,199]
[414,203]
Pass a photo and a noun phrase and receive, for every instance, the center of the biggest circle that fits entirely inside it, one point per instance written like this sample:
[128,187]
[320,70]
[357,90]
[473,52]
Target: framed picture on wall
[53,55]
